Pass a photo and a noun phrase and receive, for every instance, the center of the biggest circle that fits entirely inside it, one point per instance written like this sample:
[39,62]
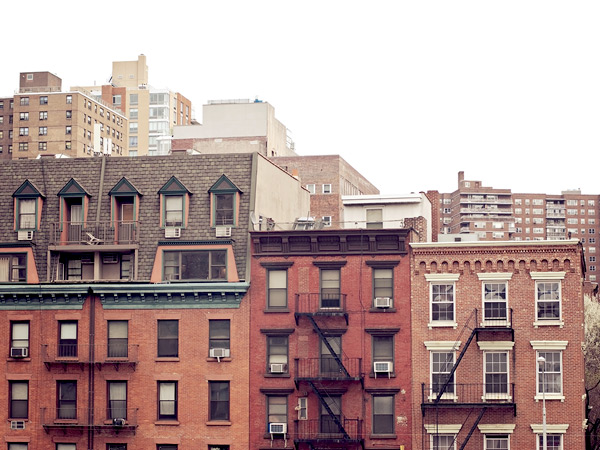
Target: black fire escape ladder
[462,447]
[329,411]
[472,317]
[329,347]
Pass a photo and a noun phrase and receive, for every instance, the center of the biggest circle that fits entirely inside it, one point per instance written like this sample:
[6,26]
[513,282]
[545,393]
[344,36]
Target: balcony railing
[320,303]
[118,353]
[327,368]
[326,430]
[69,416]
[94,233]
[458,395]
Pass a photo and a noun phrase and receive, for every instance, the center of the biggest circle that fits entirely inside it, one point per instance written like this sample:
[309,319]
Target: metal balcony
[321,304]
[500,395]
[324,431]
[94,233]
[328,369]
[100,419]
[104,354]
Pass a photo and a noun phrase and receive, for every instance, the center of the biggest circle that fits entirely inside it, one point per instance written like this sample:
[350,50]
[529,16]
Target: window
[19,335]
[18,446]
[166,446]
[302,408]
[116,100]
[117,338]
[116,446]
[330,289]
[548,298]
[69,114]
[43,100]
[219,400]
[43,115]
[383,350]
[133,99]
[66,399]
[374,218]
[496,375]
[68,129]
[133,141]
[23,146]
[43,131]
[495,302]
[311,188]
[67,342]
[550,373]
[117,399]
[23,131]
[219,334]
[27,213]
[224,209]
[195,265]
[167,400]
[592,231]
[173,210]
[277,288]
[277,354]
[133,113]
[19,399]
[66,446]
[24,101]
[326,221]
[42,146]
[133,127]
[69,99]
[327,189]
[24,116]
[441,365]
[442,302]
[383,283]
[496,441]
[168,338]
[383,414]
[276,409]
[330,352]
[327,423]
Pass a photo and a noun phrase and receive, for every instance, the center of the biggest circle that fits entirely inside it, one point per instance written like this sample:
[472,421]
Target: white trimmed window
[310,188]
[442,307]
[549,384]
[495,298]
[548,297]
[496,436]
[442,357]
[554,435]
[495,369]
[442,437]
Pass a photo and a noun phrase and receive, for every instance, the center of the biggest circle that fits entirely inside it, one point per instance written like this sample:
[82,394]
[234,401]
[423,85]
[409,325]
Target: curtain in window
[27,213]
[118,399]
[4,264]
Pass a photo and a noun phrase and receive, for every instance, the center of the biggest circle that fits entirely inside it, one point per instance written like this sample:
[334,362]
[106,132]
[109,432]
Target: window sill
[548,323]
[218,423]
[167,359]
[382,375]
[496,397]
[28,359]
[66,421]
[215,359]
[167,422]
[382,310]
[539,397]
[383,436]
[277,375]
[442,324]
[274,310]
[452,397]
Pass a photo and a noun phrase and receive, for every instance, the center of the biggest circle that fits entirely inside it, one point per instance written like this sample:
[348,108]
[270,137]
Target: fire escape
[474,398]
[327,375]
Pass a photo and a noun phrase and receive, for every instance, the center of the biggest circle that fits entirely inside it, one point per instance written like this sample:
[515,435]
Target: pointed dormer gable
[28,190]
[174,187]
[73,189]
[124,187]
[224,185]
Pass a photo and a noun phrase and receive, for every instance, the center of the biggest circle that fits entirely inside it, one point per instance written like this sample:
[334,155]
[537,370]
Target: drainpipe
[91,370]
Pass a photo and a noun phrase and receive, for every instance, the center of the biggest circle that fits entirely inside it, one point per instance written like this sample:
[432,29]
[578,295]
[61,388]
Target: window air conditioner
[172,232]
[25,235]
[219,352]
[223,231]
[118,422]
[383,302]
[277,368]
[110,258]
[382,367]
[19,352]
[17,424]
[278,428]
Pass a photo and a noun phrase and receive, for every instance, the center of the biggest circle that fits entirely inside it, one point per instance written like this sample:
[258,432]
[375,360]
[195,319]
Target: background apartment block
[152,112]
[499,214]
[482,315]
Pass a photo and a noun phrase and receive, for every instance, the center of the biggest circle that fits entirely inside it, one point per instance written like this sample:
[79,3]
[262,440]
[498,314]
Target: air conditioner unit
[118,422]
[382,367]
[17,424]
[219,352]
[383,302]
[172,232]
[277,428]
[110,258]
[277,368]
[19,352]
[25,235]
[223,231]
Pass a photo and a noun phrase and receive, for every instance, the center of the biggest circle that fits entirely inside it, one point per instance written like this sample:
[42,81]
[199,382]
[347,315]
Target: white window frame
[311,188]
[434,430]
[538,430]
[494,278]
[494,395]
[436,347]
[495,430]
[554,347]
[327,190]
[548,277]
[445,279]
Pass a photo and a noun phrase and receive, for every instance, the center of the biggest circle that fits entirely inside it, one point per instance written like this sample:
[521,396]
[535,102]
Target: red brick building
[329,339]
[496,332]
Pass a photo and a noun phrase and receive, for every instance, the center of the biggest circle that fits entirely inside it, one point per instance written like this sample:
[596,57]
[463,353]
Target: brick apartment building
[329,338]
[483,314]
[123,299]
[500,215]
[42,120]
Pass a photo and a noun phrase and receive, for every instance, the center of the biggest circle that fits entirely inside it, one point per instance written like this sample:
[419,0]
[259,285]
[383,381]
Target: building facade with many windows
[496,337]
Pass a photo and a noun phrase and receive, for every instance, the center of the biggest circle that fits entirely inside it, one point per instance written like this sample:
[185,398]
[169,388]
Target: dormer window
[74,202]
[225,199]
[28,205]
[124,208]
[174,198]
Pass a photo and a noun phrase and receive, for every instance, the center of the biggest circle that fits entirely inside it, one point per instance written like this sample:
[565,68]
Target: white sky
[408,92]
